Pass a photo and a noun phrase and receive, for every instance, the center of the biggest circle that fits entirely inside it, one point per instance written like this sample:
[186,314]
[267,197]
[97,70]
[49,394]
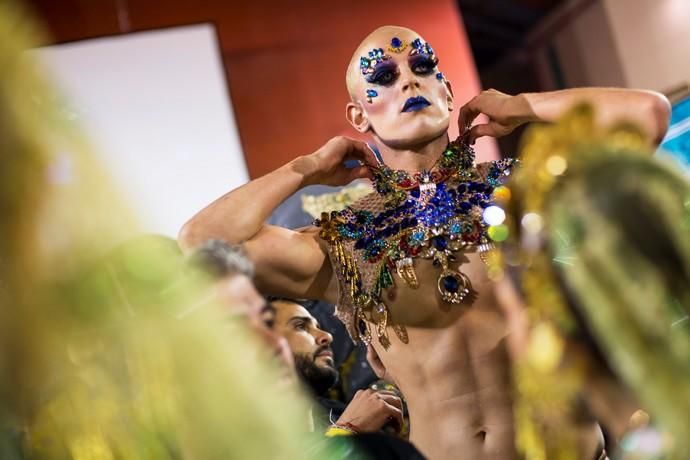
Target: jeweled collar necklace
[394,185]
[430,214]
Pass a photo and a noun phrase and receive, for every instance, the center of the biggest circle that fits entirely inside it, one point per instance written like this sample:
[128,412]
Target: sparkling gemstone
[415,193]
[451,284]
[396,42]
[380,309]
[440,243]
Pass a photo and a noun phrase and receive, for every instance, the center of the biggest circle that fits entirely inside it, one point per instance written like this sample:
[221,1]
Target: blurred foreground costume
[94,363]
[603,233]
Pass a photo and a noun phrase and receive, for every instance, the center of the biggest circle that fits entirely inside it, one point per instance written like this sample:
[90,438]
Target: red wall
[285,62]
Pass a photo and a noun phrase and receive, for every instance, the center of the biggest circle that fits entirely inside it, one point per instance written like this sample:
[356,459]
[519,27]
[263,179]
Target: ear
[449,94]
[355,114]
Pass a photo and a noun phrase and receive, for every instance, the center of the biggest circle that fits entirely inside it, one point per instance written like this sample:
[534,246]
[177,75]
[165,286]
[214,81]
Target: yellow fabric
[337,431]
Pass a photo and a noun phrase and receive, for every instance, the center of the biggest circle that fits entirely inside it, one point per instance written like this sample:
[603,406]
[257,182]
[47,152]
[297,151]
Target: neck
[413,158]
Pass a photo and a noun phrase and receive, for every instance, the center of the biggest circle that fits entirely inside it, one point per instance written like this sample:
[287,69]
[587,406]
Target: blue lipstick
[415,104]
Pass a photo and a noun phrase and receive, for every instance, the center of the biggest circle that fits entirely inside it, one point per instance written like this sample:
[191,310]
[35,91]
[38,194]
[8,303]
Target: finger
[492,129]
[396,414]
[386,392]
[392,400]
[359,150]
[468,113]
[359,172]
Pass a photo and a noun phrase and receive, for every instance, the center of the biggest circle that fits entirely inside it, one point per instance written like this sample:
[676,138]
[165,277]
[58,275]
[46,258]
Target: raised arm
[290,263]
[647,109]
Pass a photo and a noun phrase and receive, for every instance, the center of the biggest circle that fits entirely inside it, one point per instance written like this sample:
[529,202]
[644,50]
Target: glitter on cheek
[371,94]
[440,76]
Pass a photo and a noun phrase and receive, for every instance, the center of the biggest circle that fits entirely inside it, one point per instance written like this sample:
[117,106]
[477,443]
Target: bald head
[397,92]
[379,38]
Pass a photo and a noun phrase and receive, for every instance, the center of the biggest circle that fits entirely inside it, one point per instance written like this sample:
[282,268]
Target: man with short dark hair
[311,349]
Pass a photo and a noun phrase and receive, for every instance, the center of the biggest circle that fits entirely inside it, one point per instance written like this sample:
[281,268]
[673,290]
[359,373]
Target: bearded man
[405,264]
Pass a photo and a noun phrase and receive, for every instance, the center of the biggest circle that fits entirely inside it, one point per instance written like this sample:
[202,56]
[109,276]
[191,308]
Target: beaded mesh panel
[368,272]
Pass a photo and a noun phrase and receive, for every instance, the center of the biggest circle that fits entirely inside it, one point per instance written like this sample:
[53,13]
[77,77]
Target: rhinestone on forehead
[420,47]
[369,62]
[397,46]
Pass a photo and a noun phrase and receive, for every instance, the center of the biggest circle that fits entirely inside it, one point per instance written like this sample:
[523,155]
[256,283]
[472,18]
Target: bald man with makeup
[409,280]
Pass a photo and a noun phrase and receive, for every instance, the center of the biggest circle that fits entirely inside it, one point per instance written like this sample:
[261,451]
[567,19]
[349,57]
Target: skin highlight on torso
[454,372]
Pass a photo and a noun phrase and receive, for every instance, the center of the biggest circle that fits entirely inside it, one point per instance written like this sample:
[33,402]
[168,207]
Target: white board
[157,108]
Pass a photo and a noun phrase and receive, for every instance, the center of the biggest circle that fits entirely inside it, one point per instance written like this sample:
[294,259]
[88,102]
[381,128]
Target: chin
[326,363]
[420,130]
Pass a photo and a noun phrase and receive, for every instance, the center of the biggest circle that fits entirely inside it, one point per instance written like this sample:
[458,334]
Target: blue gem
[396,42]
[372,93]
[440,243]
[455,228]
[451,284]
[415,193]
[439,76]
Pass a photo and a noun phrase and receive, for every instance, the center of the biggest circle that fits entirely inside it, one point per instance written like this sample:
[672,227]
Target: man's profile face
[311,346]
[242,301]
[393,77]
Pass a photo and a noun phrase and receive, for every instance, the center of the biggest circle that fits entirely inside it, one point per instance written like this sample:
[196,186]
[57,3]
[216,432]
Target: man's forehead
[383,37]
[289,309]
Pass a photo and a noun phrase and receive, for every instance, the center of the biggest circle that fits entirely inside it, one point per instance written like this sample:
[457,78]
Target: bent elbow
[187,236]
